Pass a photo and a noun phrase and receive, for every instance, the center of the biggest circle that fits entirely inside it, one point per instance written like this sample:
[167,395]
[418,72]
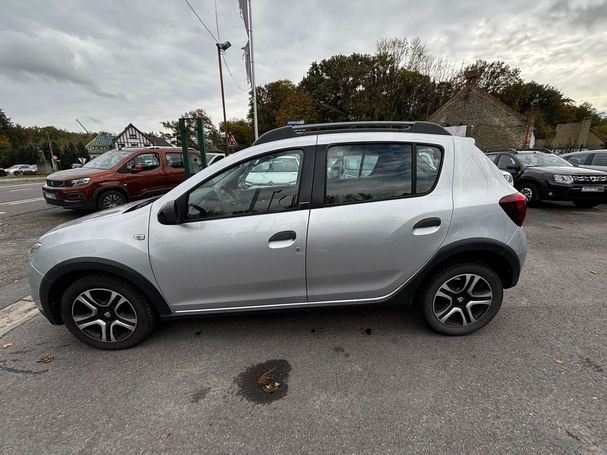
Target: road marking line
[21,189]
[23,184]
[16,314]
[23,201]
[2,213]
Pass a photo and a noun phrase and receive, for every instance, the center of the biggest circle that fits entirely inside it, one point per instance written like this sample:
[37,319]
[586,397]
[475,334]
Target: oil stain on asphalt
[250,389]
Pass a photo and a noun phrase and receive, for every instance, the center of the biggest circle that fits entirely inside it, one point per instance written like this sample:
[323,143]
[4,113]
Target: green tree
[270,98]
[214,139]
[297,106]
[242,131]
[494,77]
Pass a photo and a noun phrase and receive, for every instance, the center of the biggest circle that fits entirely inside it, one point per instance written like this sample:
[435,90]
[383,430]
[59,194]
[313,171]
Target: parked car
[590,159]
[405,228]
[545,176]
[508,177]
[214,157]
[118,176]
[22,169]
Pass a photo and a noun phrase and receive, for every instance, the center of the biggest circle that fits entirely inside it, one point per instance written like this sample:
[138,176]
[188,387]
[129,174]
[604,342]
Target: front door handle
[283,236]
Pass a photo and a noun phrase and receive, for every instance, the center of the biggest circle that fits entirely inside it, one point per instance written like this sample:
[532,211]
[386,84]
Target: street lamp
[222,47]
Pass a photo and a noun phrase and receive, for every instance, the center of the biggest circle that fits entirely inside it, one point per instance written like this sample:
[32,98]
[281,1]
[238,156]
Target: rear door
[381,209]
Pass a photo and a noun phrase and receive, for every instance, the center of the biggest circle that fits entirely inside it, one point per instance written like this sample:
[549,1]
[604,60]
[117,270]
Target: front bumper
[67,199]
[573,192]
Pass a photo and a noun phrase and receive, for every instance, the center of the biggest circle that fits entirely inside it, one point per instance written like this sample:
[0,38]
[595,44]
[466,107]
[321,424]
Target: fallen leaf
[164,435]
[593,272]
[267,382]
[558,360]
[46,359]
[7,345]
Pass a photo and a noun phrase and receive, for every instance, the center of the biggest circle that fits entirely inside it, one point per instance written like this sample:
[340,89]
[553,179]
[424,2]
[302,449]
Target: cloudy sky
[111,62]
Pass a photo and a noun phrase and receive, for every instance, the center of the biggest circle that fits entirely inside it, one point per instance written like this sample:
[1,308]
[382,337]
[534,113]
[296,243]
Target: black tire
[462,321]
[531,193]
[110,198]
[98,286]
[587,204]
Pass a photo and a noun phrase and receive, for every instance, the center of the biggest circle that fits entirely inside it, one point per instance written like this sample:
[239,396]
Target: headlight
[35,248]
[558,178]
[76,182]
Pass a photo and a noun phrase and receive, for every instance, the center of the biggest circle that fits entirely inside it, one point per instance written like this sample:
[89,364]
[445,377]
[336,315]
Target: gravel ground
[352,380]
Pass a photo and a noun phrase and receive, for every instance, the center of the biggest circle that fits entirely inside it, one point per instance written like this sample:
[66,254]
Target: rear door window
[375,172]
[599,159]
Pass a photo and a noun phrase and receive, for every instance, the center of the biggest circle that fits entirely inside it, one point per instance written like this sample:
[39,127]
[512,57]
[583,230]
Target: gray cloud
[144,61]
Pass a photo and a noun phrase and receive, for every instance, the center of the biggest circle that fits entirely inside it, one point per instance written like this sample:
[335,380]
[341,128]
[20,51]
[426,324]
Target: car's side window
[599,159]
[579,158]
[368,172]
[428,164]
[175,161]
[505,161]
[493,158]
[143,162]
[265,184]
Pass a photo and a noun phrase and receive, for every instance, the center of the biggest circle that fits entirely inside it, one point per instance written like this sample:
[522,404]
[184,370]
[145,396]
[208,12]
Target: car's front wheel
[531,193]
[109,199]
[586,204]
[107,312]
[461,298]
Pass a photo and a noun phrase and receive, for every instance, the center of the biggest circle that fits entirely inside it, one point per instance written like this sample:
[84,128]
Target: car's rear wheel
[107,312]
[586,204]
[531,193]
[461,298]
[110,199]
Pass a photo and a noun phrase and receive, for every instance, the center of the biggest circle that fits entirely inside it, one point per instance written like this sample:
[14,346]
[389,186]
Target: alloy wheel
[462,300]
[527,192]
[112,200]
[104,315]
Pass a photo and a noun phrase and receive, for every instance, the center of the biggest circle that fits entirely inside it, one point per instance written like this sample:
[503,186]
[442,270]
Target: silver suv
[309,216]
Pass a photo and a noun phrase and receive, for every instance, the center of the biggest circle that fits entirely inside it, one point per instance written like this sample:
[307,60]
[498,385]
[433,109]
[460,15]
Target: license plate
[50,195]
[593,189]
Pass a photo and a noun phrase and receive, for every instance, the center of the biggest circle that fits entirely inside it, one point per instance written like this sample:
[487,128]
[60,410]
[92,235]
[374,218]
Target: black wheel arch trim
[97,265]
[471,246]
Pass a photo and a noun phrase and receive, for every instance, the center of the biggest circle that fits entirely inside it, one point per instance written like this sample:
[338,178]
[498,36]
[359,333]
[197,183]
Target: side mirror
[168,213]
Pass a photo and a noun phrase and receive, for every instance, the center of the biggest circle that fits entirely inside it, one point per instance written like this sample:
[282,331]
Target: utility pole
[50,147]
[222,47]
[530,122]
[253,70]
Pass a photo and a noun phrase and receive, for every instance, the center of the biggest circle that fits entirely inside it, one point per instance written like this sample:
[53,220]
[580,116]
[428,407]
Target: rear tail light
[515,206]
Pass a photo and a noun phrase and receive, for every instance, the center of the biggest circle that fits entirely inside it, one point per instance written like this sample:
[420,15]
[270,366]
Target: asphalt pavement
[353,380]
[24,217]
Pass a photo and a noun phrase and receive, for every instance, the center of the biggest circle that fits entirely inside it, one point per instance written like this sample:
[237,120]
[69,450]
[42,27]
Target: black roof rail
[287,132]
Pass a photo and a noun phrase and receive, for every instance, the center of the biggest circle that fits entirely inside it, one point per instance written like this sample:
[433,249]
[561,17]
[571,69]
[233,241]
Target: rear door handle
[427,223]
[283,236]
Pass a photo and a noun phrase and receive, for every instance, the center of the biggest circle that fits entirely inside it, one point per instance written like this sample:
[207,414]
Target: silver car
[309,216]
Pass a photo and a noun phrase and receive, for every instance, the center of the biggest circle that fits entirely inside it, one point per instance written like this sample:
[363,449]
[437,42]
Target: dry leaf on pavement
[7,345]
[46,359]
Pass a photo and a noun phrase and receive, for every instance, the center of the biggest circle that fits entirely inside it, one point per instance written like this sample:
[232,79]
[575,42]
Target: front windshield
[108,160]
[542,159]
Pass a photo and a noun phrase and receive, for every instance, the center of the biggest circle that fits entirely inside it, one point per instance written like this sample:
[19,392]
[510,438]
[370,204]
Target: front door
[243,241]
[145,176]
[380,212]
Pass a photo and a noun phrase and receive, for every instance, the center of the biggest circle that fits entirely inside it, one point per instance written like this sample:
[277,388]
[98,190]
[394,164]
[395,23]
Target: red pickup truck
[118,176]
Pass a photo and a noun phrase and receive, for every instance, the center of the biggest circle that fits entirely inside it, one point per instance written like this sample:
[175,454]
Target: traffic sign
[232,141]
